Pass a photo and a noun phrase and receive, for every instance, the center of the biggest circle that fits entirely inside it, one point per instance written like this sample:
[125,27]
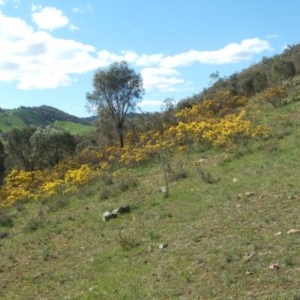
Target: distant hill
[40,116]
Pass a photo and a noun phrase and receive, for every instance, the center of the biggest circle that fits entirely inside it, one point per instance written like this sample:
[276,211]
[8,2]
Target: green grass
[220,239]
[75,128]
[8,121]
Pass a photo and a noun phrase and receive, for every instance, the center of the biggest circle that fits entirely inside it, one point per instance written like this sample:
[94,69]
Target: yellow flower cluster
[234,130]
[275,95]
[79,176]
[218,122]
[20,185]
[51,188]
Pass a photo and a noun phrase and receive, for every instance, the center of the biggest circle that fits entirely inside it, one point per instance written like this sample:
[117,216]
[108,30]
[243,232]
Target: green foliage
[2,162]
[260,82]
[36,222]
[44,115]
[19,148]
[107,134]
[46,253]
[50,145]
[40,116]
[276,70]
[117,89]
[31,148]
[75,129]
[275,95]
[127,241]
[125,182]
[106,192]
[282,70]
[219,234]
[215,240]
[9,121]
[6,219]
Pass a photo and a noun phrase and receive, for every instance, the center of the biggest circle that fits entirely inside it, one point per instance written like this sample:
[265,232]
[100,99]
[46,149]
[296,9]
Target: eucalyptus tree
[34,148]
[282,70]
[117,89]
[19,148]
[50,145]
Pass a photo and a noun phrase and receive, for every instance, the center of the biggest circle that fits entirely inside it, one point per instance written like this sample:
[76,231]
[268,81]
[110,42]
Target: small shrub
[207,177]
[58,204]
[125,182]
[6,220]
[12,257]
[178,171]
[4,234]
[2,268]
[106,193]
[34,224]
[290,261]
[152,235]
[107,179]
[37,221]
[127,241]
[275,95]
[46,253]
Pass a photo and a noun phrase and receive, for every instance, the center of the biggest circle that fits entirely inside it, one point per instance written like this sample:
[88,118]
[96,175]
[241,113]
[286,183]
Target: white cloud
[231,53]
[143,60]
[82,8]
[107,57]
[48,18]
[2,2]
[149,60]
[163,79]
[36,59]
[159,70]
[150,103]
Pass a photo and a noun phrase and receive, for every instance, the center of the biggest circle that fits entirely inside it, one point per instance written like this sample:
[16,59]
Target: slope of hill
[9,121]
[235,238]
[38,116]
[256,78]
[229,229]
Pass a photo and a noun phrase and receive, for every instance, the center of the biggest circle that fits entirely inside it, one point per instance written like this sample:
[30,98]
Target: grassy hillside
[8,121]
[75,128]
[40,116]
[235,238]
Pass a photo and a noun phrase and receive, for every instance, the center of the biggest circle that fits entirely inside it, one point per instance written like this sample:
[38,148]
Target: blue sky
[49,50]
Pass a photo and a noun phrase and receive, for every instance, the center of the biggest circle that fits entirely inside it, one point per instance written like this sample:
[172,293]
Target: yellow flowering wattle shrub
[90,156]
[233,131]
[51,188]
[79,176]
[20,185]
[275,95]
[218,122]
[223,103]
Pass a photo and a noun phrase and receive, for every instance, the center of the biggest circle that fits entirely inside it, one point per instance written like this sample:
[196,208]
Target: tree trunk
[121,136]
